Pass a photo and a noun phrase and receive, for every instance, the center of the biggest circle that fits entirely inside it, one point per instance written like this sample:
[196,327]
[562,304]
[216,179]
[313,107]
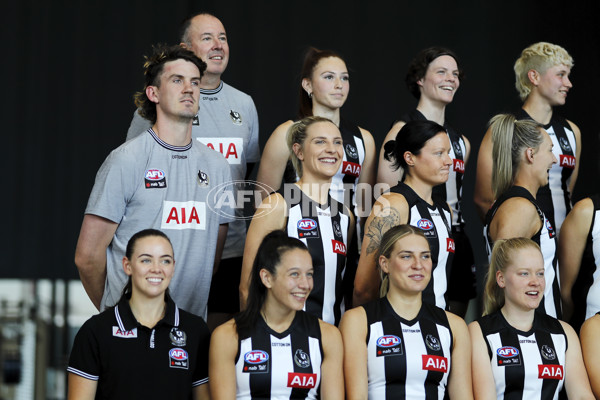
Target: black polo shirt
[132,361]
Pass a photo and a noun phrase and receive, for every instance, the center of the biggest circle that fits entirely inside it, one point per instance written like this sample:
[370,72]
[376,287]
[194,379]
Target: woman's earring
[310,95]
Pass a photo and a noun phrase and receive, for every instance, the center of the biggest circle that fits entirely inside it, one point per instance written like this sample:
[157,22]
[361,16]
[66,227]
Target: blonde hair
[539,56]
[509,138]
[502,257]
[297,133]
[386,246]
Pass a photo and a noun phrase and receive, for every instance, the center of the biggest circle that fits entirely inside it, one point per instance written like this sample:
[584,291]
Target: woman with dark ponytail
[421,148]
[273,349]
[522,153]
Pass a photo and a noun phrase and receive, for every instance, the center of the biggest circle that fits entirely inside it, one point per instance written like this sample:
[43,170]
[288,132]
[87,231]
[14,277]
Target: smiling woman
[147,326]
[282,352]
[306,210]
[512,338]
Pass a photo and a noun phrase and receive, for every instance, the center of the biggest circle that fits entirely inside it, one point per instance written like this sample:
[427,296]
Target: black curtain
[71,69]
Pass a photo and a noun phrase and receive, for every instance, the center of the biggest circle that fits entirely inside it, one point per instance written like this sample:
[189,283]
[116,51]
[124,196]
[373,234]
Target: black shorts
[224,294]
[462,282]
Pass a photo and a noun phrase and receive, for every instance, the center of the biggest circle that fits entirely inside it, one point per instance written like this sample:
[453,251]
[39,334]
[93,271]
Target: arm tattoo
[390,217]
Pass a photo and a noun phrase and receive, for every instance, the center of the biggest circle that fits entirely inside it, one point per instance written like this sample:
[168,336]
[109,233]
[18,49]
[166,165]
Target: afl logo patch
[564,144]
[178,338]
[508,356]
[256,357]
[507,351]
[178,358]
[425,224]
[388,345]
[235,117]
[203,179]
[301,359]
[307,228]
[548,352]
[351,151]
[155,178]
[433,343]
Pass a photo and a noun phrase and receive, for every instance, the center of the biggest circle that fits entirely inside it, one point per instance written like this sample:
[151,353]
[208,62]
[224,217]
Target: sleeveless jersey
[324,231]
[526,365]
[434,221]
[287,365]
[555,199]
[545,237]
[407,359]
[451,191]
[586,290]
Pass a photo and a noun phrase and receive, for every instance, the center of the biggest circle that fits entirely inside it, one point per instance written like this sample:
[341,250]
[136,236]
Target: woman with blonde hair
[399,347]
[522,153]
[307,211]
[542,80]
[517,351]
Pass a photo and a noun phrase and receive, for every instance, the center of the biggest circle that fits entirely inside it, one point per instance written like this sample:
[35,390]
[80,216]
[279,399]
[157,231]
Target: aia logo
[435,363]
[302,381]
[256,357]
[183,215]
[458,165]
[117,332]
[231,148]
[350,168]
[388,341]
[178,354]
[450,245]
[550,371]
[338,247]
[307,224]
[507,352]
[425,224]
[567,161]
[154,174]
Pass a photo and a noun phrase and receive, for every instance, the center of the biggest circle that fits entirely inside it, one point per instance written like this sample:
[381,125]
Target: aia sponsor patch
[350,168]
[307,228]
[132,334]
[231,148]
[389,345]
[508,355]
[567,161]
[338,247]
[183,215]
[450,245]
[155,178]
[178,358]
[550,371]
[458,165]
[301,381]
[256,361]
[435,363]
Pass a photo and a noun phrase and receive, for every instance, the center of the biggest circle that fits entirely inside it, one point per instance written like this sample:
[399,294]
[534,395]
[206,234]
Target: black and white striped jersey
[434,220]
[324,230]
[407,359]
[526,365]
[545,237]
[287,365]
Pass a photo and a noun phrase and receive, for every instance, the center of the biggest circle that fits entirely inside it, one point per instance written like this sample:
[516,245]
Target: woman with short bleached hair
[518,352]
[542,80]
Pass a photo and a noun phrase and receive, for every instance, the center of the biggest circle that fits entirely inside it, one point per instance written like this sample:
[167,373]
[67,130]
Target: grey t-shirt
[147,183]
[227,122]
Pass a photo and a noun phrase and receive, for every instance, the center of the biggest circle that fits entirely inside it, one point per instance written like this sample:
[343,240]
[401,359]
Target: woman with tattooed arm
[421,149]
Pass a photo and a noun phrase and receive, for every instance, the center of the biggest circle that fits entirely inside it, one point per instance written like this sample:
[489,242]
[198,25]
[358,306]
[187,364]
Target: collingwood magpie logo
[433,343]
[564,143]
[548,352]
[351,150]
[235,117]
[336,229]
[457,149]
[301,359]
[196,121]
[178,338]
[203,179]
